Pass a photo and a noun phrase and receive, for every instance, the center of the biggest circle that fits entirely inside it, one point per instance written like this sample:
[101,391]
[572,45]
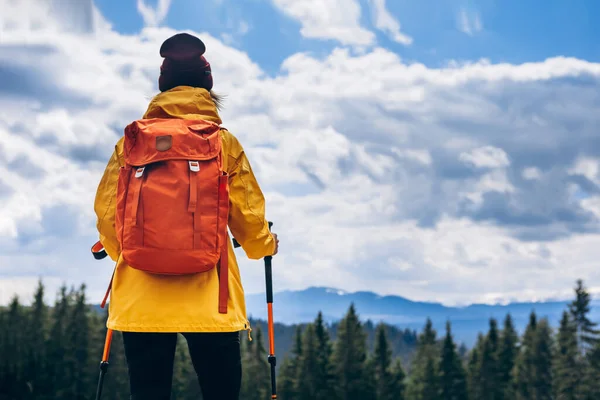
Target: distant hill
[291,307]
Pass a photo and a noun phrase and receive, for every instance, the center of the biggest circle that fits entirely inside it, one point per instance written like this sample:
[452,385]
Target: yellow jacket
[142,302]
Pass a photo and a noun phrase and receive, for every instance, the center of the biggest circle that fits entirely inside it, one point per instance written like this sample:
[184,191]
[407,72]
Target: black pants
[216,358]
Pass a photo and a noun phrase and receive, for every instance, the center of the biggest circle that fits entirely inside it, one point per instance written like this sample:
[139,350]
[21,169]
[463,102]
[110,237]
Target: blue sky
[511,31]
[440,150]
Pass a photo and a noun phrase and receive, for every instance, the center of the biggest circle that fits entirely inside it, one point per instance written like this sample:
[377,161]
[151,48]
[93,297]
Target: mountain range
[292,307]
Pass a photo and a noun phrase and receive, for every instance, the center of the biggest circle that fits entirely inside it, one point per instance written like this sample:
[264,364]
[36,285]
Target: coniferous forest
[53,352]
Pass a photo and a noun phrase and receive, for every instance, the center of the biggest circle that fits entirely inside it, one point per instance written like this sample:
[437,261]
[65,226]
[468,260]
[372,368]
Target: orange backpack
[173,199]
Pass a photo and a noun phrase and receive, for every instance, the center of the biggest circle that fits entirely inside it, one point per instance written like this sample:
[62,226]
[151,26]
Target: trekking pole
[104,363]
[100,253]
[269,289]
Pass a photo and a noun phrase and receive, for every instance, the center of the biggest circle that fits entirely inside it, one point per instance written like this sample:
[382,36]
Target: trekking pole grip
[269,274]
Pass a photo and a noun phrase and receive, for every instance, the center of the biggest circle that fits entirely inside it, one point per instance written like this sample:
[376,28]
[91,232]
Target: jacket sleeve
[104,205]
[247,220]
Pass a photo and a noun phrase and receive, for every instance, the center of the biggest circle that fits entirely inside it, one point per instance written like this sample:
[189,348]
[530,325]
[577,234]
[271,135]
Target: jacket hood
[184,102]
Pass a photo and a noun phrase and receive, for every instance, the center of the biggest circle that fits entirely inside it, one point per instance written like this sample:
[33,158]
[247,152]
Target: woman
[150,310]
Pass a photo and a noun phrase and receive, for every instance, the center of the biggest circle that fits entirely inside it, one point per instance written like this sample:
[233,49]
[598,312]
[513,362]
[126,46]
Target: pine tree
[4,332]
[324,369]
[566,365]
[474,373]
[399,378]
[524,373]
[116,381]
[350,359]
[286,382]
[507,354]
[256,382]
[13,350]
[543,379]
[453,384]
[307,379]
[286,378]
[587,335]
[58,344]
[387,387]
[424,382]
[430,389]
[77,348]
[488,369]
[369,383]
[35,339]
[591,389]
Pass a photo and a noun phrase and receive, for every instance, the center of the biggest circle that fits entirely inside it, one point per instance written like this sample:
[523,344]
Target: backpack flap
[152,140]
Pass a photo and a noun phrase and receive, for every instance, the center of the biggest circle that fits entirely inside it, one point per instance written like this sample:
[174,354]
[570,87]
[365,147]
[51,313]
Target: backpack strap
[194,168]
[137,189]
[222,220]
[223,280]
[108,289]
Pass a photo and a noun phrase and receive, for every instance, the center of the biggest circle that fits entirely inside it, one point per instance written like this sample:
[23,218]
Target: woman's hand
[276,243]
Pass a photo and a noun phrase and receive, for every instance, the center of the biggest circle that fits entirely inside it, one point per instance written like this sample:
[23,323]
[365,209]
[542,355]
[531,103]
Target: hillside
[291,307]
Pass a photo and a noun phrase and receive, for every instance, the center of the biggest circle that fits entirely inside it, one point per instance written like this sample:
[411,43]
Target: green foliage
[350,360]
[13,349]
[473,378]
[399,378]
[424,380]
[307,378]
[489,369]
[453,380]
[322,370]
[288,380]
[256,381]
[566,361]
[525,365]
[388,377]
[507,354]
[543,379]
[54,352]
[587,335]
[591,389]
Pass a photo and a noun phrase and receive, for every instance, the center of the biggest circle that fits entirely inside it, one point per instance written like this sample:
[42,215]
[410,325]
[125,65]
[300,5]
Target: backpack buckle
[139,172]
[194,166]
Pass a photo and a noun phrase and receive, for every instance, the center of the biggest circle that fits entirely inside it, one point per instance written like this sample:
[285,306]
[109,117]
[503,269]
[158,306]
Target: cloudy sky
[439,150]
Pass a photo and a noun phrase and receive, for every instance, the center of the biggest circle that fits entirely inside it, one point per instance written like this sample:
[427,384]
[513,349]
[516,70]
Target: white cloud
[49,16]
[386,22]
[486,157]
[532,173]
[469,22]
[588,167]
[236,28]
[329,19]
[154,16]
[420,155]
[381,166]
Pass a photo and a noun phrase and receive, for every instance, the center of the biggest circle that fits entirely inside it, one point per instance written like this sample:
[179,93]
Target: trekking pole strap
[98,251]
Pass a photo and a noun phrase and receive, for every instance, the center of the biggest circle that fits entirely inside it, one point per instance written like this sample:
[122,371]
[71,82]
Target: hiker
[150,309]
